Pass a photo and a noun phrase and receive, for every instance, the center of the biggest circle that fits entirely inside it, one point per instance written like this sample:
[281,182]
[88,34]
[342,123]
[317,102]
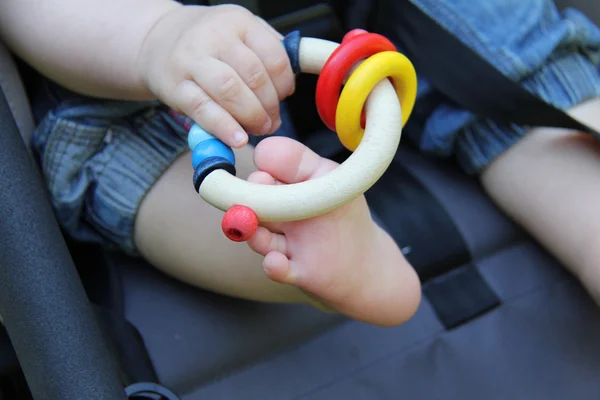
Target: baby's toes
[278,268]
[261,177]
[275,249]
[265,241]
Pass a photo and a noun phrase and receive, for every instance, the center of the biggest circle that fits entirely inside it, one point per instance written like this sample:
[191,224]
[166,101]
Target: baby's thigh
[126,183]
[548,182]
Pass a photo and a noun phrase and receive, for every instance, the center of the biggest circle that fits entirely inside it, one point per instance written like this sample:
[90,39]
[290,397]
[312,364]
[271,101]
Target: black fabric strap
[462,75]
[418,223]
[126,346]
[460,296]
[101,275]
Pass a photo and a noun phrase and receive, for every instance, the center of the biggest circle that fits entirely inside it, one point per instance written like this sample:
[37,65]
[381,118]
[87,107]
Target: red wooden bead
[357,47]
[239,223]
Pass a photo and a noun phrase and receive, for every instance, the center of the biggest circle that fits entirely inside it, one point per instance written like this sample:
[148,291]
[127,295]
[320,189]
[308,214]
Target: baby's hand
[342,258]
[222,66]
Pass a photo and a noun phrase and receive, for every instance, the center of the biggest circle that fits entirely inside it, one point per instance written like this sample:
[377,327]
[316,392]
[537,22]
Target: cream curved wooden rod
[341,185]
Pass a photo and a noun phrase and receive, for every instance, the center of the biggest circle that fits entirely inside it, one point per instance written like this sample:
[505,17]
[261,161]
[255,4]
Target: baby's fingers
[250,68]
[191,100]
[224,104]
[278,35]
[272,53]
[221,82]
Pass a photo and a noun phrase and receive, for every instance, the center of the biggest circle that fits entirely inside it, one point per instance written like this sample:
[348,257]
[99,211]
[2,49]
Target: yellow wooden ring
[358,87]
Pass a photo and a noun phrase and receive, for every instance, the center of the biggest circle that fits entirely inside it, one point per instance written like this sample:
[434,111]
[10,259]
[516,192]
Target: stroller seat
[500,318]
[537,339]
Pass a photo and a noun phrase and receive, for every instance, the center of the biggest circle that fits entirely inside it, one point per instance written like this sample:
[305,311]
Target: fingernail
[266,128]
[277,124]
[240,138]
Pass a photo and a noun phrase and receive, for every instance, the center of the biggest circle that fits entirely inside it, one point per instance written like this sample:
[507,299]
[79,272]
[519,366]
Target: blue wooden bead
[209,165]
[292,48]
[197,135]
[211,148]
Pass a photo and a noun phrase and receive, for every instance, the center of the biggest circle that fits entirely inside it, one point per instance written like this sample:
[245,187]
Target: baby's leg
[341,259]
[180,233]
[547,179]
[549,182]
[120,174]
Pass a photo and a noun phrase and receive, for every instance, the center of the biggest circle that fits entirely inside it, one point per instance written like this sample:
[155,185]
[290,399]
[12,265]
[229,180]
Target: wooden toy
[367,113]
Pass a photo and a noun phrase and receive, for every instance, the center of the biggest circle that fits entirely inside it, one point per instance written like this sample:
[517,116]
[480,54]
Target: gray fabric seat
[541,342]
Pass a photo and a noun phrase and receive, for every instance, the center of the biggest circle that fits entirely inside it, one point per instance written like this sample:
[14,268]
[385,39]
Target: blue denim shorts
[555,55]
[100,158]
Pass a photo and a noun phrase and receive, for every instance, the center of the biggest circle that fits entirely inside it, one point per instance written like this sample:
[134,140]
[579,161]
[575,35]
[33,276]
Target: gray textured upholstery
[540,343]
[194,337]
[484,229]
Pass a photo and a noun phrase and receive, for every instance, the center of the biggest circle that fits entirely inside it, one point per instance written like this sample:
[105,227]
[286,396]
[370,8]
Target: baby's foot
[342,258]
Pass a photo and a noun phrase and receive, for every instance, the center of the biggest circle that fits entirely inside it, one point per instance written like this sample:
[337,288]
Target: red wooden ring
[329,84]
[353,33]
